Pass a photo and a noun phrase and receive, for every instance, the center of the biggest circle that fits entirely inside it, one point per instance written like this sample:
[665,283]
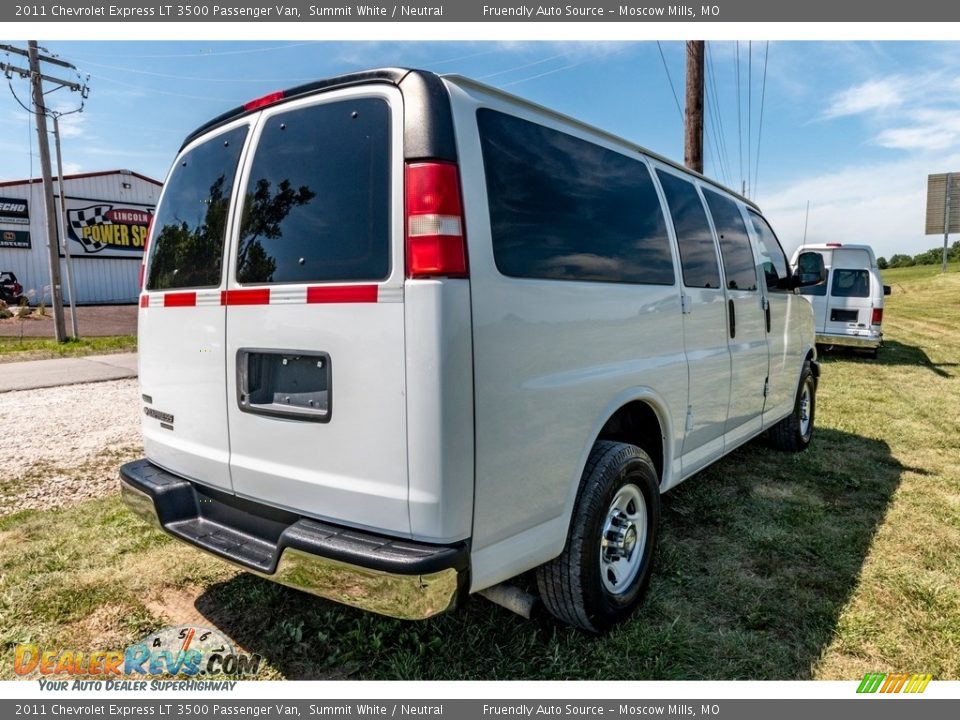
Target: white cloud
[880,204]
[927,129]
[72,126]
[879,94]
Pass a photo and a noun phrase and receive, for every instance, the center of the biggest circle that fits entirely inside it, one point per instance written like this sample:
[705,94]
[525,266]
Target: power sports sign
[14,223]
[98,228]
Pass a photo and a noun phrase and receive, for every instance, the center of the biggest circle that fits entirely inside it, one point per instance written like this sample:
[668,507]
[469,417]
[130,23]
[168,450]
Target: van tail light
[436,244]
[264,101]
[877,316]
[146,246]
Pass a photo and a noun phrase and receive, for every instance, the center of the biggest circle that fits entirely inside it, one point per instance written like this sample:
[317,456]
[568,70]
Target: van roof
[429,82]
[836,246]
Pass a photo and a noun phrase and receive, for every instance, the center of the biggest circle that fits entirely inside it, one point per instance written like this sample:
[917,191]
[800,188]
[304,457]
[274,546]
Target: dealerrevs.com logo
[185,651]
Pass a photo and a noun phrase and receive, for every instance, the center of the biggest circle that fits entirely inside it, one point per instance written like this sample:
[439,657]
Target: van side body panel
[439,400]
[549,357]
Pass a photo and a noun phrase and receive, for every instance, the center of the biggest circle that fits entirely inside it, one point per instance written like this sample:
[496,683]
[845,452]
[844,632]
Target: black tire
[572,585]
[793,433]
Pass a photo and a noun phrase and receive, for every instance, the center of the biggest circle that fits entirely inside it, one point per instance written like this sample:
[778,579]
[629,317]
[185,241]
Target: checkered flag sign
[87,217]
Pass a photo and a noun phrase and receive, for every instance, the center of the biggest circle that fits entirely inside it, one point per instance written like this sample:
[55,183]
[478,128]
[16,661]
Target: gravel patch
[62,445]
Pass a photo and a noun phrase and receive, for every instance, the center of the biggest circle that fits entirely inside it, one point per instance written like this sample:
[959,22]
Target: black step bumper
[399,578]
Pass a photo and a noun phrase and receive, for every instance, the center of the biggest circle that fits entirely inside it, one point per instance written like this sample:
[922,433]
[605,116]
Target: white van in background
[848,308]
[404,337]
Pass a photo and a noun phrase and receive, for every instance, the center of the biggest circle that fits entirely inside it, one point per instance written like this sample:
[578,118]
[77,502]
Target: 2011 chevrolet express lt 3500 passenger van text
[404,337]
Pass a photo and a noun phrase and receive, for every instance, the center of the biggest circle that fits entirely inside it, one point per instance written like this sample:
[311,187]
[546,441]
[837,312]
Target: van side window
[189,227]
[772,259]
[698,254]
[850,283]
[734,242]
[317,205]
[562,208]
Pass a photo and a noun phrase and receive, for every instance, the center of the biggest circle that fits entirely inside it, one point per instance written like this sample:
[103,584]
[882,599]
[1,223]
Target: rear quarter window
[188,231]
[562,208]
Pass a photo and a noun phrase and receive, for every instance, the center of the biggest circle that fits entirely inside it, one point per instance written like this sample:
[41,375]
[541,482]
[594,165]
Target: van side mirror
[810,270]
[886,290]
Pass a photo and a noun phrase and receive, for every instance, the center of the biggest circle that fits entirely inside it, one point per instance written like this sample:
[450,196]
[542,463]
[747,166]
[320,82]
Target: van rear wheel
[794,432]
[605,566]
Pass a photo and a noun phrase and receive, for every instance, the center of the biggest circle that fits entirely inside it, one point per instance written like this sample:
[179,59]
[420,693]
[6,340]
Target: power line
[211,54]
[718,116]
[712,74]
[763,95]
[749,111]
[521,67]
[543,74]
[739,120]
[670,80]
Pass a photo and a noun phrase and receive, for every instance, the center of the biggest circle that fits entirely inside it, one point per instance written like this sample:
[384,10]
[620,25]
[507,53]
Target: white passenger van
[404,337]
[848,308]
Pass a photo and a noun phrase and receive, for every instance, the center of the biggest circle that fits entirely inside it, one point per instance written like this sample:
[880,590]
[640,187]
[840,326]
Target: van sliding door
[746,319]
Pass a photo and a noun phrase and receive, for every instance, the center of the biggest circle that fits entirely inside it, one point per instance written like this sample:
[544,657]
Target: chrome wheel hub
[622,539]
[805,410]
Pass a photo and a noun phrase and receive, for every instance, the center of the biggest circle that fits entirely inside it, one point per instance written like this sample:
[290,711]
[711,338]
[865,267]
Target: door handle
[733,318]
[767,311]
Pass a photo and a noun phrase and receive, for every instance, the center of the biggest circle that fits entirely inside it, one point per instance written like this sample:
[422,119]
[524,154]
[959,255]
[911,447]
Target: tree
[882,262]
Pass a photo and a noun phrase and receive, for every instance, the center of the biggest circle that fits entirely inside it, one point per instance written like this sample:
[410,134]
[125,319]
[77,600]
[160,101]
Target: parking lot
[92,321]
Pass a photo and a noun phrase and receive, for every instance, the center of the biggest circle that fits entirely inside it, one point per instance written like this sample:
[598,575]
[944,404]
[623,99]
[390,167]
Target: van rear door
[181,321]
[314,311]
[849,302]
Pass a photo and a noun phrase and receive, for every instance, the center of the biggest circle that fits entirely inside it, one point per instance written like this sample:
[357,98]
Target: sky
[852,128]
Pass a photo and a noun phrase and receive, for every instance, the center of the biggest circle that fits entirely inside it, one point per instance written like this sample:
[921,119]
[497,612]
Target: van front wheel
[793,433]
[605,566]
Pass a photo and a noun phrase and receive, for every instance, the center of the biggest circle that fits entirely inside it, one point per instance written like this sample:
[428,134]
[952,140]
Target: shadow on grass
[759,555]
[894,353]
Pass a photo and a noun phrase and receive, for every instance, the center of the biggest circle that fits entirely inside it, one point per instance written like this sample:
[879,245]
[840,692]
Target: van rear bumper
[394,577]
[869,341]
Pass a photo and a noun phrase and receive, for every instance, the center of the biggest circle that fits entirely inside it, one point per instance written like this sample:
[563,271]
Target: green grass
[13,349]
[826,564]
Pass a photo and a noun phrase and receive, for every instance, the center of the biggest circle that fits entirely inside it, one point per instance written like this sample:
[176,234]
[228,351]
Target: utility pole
[64,245]
[40,109]
[693,124]
[37,79]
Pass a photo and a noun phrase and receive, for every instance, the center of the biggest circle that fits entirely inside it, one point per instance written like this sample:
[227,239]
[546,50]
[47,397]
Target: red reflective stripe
[144,301]
[181,299]
[253,296]
[347,294]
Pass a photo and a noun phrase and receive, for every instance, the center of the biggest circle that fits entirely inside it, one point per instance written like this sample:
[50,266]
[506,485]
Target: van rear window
[186,249]
[562,208]
[850,283]
[317,204]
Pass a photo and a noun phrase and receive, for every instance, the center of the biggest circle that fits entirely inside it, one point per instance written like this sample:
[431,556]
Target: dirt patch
[177,606]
